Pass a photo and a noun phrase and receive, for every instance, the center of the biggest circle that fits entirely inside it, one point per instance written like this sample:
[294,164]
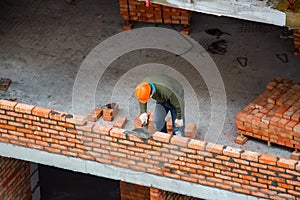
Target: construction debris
[4,84]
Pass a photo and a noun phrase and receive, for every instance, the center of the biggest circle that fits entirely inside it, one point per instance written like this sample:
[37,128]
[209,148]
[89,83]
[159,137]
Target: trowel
[142,132]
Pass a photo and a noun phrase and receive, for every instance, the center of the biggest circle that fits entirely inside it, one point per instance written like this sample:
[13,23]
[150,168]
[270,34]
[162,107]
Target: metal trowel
[142,132]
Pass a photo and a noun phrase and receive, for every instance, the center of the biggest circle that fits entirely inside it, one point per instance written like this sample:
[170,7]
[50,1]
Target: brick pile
[297,42]
[110,111]
[191,160]
[14,179]
[274,115]
[134,10]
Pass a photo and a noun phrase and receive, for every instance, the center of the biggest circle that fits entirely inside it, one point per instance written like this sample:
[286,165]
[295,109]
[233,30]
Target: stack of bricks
[297,42]
[110,111]
[134,10]
[273,116]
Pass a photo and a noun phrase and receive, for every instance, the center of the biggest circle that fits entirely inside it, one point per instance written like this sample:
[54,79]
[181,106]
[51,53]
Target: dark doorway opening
[60,184]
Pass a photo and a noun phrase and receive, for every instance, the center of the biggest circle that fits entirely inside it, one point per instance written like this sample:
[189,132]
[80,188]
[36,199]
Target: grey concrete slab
[44,43]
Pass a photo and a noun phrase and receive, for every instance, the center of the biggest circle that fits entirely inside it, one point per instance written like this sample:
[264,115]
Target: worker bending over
[169,96]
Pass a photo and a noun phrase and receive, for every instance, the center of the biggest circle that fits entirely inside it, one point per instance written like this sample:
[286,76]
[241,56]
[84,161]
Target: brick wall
[14,179]
[156,194]
[176,157]
[134,192]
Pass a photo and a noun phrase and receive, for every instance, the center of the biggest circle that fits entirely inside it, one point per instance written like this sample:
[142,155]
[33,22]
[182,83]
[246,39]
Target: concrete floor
[43,45]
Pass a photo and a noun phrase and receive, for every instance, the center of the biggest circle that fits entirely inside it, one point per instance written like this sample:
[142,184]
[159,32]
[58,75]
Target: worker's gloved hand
[178,123]
[144,118]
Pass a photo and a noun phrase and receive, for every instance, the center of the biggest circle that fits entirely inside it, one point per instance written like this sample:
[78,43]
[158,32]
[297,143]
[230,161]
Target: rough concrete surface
[43,44]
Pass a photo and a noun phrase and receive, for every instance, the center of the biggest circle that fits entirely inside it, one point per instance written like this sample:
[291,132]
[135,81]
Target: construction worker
[169,96]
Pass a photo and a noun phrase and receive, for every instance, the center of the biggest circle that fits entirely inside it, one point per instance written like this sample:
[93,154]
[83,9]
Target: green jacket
[167,90]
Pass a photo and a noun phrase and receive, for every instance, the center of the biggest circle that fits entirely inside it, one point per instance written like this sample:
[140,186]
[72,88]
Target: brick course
[163,154]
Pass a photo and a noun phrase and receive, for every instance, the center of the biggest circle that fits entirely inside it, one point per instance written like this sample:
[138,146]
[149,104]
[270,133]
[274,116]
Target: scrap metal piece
[282,57]
[243,61]
[4,84]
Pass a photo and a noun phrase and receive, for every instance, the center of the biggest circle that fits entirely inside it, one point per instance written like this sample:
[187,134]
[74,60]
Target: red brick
[5,126]
[286,163]
[268,159]
[7,117]
[274,120]
[162,137]
[297,128]
[100,128]
[7,105]
[77,120]
[214,148]
[86,127]
[95,114]
[41,112]
[296,116]
[16,133]
[24,108]
[295,155]
[241,139]
[281,110]
[190,130]
[232,152]
[197,144]
[47,121]
[179,140]
[290,125]
[66,125]
[58,116]
[117,132]
[120,122]
[15,114]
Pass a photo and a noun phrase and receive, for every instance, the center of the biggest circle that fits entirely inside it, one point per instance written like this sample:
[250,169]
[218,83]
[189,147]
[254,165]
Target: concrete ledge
[252,10]
[118,173]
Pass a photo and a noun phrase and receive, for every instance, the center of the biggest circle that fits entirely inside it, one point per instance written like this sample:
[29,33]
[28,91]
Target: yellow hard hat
[142,92]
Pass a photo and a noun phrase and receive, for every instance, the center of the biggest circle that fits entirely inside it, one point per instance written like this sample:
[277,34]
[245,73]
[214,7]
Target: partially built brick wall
[175,157]
[14,179]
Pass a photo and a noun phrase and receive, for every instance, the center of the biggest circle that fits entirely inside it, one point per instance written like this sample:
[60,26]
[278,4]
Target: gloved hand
[144,118]
[178,123]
